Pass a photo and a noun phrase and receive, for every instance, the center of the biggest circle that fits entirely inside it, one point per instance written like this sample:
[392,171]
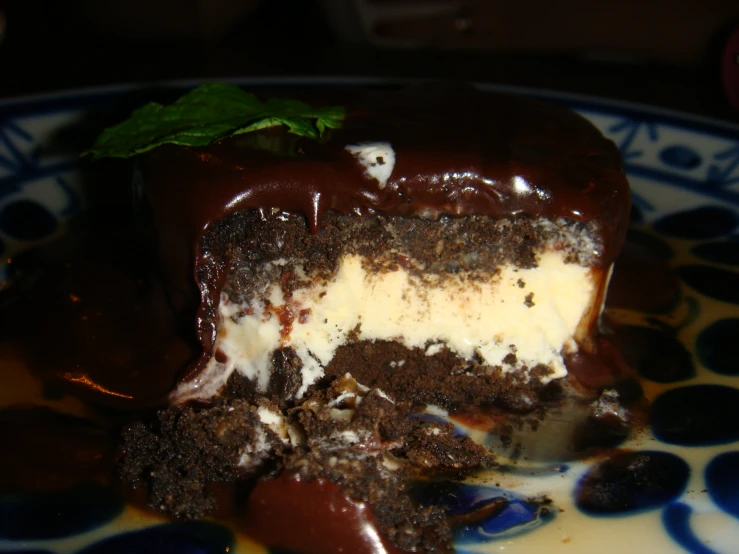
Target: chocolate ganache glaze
[458,151]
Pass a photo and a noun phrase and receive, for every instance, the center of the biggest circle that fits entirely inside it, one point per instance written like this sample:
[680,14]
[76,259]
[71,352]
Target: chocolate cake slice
[445,247]
[443,222]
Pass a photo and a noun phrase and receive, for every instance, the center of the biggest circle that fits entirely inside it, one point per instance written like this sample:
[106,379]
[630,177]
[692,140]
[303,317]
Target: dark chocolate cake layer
[246,243]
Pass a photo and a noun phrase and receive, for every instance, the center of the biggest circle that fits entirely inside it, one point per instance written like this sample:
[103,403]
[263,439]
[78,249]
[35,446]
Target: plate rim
[50,102]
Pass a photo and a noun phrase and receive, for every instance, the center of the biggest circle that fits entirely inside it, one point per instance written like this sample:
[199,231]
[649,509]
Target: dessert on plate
[357,265]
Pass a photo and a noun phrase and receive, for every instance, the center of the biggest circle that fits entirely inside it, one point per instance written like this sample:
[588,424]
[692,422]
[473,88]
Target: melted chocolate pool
[311,518]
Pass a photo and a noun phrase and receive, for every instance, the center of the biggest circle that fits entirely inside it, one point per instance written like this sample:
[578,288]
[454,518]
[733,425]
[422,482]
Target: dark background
[660,53]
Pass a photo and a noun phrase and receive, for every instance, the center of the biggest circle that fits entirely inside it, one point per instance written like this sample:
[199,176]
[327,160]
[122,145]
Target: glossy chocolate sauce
[458,151]
[330,522]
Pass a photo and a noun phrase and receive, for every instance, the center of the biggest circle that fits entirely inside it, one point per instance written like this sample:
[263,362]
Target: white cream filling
[377,159]
[275,422]
[486,319]
[256,451]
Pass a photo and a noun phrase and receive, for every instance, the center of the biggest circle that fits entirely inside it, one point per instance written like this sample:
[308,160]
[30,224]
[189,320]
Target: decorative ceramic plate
[672,486]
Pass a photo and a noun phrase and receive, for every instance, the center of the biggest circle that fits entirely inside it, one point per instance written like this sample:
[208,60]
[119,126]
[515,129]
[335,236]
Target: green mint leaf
[207,114]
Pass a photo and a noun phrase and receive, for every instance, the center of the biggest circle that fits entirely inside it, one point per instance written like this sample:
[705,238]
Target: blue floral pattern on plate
[672,488]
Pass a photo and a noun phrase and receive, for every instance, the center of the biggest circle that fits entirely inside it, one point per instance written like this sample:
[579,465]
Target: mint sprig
[207,114]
